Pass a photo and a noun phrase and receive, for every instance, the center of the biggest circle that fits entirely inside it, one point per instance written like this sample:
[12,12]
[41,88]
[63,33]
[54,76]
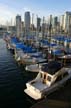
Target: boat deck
[39,85]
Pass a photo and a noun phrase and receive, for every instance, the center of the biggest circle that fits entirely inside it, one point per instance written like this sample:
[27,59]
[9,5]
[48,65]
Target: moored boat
[51,76]
[34,67]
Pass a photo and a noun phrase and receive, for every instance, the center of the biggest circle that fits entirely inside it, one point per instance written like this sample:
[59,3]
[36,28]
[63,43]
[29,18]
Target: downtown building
[50,20]
[67,22]
[18,26]
[62,23]
[50,24]
[55,25]
[38,24]
[43,28]
[27,23]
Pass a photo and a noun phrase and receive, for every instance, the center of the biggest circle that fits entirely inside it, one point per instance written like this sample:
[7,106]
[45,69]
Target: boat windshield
[48,78]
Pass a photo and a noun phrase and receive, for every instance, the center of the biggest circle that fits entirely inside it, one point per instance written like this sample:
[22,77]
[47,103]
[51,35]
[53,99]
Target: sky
[10,8]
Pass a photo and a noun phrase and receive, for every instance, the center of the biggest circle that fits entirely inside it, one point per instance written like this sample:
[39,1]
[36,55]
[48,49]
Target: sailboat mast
[32,23]
[50,27]
[36,28]
[43,28]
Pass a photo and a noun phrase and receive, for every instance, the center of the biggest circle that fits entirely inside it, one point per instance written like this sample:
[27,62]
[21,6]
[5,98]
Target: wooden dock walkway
[52,104]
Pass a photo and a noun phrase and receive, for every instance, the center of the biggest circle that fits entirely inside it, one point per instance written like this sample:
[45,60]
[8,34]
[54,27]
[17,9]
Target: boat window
[59,78]
[44,79]
[65,74]
[44,76]
[49,78]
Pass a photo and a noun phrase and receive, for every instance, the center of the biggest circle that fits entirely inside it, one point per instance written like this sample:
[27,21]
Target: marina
[20,84]
[35,61]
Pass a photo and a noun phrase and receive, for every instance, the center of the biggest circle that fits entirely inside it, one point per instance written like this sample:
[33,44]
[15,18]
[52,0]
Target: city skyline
[10,8]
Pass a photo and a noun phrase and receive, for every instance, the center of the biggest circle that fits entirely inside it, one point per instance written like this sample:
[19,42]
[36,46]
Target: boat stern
[33,92]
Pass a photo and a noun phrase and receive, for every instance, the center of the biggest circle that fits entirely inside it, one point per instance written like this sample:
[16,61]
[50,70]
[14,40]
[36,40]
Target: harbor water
[13,79]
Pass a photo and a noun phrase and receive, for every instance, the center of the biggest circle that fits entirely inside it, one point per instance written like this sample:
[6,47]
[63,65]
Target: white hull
[30,61]
[32,68]
[32,94]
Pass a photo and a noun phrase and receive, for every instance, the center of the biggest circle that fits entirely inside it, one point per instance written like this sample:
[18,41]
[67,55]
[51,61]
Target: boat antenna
[50,28]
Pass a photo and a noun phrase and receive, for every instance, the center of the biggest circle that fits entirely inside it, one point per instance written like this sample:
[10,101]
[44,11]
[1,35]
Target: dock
[52,104]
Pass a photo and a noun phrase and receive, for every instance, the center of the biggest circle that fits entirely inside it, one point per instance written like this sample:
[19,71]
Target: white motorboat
[65,60]
[33,60]
[32,68]
[51,76]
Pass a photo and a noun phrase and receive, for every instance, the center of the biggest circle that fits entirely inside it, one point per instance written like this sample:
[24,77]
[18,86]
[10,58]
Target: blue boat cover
[68,40]
[45,42]
[14,40]
[30,37]
[29,49]
[25,48]
[57,52]
[20,45]
[53,44]
[37,56]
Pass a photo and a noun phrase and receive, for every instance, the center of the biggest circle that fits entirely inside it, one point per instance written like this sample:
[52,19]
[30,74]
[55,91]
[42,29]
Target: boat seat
[32,82]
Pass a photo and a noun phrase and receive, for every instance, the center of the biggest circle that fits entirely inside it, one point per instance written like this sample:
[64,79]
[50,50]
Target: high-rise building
[55,21]
[43,28]
[27,23]
[38,23]
[55,25]
[50,23]
[67,22]
[61,21]
[18,25]
[22,28]
[50,20]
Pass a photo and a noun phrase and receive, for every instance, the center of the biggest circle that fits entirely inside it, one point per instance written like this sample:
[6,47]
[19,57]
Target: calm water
[12,83]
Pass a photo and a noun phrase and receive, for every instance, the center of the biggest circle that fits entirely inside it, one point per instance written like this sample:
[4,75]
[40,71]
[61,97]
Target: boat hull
[32,94]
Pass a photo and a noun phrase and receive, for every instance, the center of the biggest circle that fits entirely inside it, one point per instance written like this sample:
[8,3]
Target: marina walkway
[52,104]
